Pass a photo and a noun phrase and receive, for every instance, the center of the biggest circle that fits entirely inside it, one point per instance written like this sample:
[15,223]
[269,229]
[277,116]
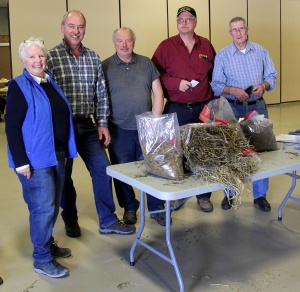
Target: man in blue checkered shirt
[243,71]
[78,71]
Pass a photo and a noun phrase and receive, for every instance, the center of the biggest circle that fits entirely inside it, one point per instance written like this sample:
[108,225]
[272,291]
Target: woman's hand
[25,171]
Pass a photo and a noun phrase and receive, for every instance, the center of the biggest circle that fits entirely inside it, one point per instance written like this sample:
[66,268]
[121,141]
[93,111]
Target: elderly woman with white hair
[40,136]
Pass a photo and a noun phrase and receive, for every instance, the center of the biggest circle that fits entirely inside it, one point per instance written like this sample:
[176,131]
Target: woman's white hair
[28,43]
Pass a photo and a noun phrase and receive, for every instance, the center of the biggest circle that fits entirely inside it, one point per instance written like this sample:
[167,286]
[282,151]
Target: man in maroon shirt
[185,62]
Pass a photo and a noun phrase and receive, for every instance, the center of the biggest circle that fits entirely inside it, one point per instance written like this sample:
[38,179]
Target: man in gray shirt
[130,80]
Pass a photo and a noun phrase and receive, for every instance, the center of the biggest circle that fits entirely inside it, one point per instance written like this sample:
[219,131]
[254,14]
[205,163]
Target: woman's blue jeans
[42,193]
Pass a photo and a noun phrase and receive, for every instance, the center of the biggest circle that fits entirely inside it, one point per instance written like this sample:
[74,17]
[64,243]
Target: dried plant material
[214,152]
[260,134]
[159,138]
[165,160]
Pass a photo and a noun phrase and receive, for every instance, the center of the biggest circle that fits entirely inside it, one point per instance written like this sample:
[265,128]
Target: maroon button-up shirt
[175,63]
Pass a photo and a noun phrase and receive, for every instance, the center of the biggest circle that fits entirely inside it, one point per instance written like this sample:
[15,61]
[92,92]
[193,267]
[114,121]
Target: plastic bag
[159,138]
[259,131]
[217,110]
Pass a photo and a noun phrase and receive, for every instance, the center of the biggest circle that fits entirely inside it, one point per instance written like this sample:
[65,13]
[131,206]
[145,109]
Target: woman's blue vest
[37,128]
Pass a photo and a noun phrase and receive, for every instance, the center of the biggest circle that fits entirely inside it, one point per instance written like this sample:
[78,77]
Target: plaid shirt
[81,80]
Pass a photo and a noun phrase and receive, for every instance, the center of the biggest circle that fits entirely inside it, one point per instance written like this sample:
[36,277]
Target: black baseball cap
[187,9]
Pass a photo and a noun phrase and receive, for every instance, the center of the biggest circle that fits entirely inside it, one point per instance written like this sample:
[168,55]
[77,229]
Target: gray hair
[238,18]
[124,28]
[25,45]
[72,11]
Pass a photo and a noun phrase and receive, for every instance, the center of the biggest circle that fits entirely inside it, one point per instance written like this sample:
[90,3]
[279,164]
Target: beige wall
[34,18]
[101,22]
[221,13]
[264,24]
[149,22]
[273,24]
[290,50]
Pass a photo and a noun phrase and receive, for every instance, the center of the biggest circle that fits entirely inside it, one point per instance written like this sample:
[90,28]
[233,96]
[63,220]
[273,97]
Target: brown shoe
[160,217]
[205,204]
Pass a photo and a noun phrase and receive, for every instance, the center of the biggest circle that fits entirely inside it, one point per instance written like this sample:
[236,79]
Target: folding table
[283,161]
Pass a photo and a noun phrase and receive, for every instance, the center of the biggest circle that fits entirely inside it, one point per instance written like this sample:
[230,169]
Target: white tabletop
[273,163]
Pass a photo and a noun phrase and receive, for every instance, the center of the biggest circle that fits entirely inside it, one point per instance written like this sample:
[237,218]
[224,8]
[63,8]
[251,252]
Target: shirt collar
[119,61]
[40,80]
[82,48]
[180,41]
[249,46]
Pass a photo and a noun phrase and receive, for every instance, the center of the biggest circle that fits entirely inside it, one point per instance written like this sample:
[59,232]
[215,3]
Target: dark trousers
[186,114]
[125,147]
[92,152]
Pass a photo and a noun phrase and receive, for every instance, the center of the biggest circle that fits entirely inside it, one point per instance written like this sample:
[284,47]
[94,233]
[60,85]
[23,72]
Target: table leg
[294,177]
[137,240]
[168,241]
[140,231]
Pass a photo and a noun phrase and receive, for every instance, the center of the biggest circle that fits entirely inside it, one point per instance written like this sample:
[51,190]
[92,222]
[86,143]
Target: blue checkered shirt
[237,69]
[81,80]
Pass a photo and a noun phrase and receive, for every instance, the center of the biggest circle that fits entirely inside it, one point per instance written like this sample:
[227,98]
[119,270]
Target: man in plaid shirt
[78,71]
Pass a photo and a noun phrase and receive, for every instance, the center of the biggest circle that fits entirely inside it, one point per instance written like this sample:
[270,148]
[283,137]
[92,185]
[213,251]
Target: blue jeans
[240,110]
[260,187]
[125,147]
[186,115]
[92,152]
[42,194]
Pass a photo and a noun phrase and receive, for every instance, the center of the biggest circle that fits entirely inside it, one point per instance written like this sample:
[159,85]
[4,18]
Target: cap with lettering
[187,9]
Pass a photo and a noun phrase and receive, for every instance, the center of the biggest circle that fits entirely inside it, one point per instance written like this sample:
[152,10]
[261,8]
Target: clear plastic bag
[217,110]
[159,138]
[259,131]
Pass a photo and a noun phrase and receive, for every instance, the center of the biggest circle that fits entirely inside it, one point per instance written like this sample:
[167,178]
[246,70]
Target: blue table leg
[140,231]
[294,177]
[168,241]
[137,240]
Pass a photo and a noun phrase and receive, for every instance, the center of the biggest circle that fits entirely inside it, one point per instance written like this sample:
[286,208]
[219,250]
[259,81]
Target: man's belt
[79,118]
[245,102]
[189,104]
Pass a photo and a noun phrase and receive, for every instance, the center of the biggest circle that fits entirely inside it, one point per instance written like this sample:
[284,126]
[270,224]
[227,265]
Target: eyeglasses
[235,30]
[31,40]
[185,20]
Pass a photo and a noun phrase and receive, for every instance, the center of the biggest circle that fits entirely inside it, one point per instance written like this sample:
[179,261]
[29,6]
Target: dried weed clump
[215,153]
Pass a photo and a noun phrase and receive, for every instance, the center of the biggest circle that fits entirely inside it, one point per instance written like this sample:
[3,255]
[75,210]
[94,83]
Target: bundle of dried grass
[214,153]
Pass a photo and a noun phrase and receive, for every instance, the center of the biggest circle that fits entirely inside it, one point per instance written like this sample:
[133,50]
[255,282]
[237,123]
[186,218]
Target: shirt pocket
[202,67]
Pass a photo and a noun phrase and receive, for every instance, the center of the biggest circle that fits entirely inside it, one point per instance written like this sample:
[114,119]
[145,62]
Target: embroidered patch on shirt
[203,56]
